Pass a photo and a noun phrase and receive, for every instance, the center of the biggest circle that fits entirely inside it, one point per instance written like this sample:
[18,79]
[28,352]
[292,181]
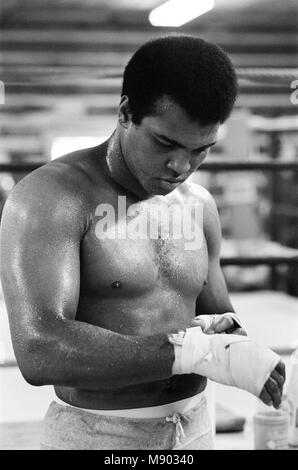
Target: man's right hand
[271,393]
[230,360]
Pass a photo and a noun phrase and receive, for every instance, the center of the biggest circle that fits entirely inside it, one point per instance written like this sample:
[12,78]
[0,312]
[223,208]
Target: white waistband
[162,411]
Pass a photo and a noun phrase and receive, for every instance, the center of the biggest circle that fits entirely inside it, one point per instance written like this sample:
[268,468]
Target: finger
[274,390]
[222,324]
[281,369]
[237,331]
[265,397]
[197,322]
[278,377]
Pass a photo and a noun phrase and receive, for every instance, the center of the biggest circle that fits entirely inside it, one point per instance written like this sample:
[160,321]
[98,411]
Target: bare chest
[142,248]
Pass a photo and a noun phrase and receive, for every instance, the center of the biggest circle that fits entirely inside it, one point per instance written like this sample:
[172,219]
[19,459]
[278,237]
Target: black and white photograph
[149,227]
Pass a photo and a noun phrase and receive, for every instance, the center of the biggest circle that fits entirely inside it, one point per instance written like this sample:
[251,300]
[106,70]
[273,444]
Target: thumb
[222,324]
[198,322]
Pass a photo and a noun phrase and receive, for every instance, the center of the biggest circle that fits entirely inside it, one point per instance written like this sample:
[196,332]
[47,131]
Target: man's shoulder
[194,192]
[61,178]
[211,220]
[58,190]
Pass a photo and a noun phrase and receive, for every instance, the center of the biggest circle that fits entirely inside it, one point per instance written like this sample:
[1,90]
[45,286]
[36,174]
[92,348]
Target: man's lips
[173,181]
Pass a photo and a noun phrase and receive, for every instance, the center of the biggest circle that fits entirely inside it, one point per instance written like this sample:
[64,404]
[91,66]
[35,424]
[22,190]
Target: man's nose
[180,165]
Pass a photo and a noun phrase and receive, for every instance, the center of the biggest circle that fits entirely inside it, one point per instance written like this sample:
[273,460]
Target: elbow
[33,378]
[34,361]
[34,374]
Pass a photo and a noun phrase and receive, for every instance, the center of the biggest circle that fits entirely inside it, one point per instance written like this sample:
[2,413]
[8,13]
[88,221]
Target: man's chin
[165,187]
[159,187]
[165,192]
[158,191]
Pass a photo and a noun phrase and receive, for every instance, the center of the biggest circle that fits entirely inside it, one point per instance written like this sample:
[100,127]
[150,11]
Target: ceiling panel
[62,60]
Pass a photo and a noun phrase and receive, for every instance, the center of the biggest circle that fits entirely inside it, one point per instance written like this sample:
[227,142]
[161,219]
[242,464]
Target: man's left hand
[212,324]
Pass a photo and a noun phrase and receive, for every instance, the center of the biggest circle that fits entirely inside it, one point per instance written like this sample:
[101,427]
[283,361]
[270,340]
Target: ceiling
[62,60]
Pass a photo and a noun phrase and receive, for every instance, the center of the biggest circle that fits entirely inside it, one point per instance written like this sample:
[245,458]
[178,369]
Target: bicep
[39,266]
[214,297]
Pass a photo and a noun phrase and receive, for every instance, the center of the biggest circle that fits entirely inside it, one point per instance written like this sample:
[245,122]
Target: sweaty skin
[91,316]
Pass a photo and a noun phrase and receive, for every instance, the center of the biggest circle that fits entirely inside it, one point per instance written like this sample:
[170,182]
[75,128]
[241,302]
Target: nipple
[205,282]
[116,284]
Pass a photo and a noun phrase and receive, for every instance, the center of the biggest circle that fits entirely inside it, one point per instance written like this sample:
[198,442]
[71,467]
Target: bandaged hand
[231,360]
[222,323]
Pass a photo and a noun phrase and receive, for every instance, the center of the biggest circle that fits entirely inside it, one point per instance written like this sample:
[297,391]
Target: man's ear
[124,113]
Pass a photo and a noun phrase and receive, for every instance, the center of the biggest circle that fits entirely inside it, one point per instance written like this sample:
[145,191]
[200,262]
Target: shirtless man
[113,322]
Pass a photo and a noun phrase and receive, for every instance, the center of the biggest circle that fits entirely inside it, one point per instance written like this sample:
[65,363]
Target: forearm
[77,354]
[212,305]
[214,298]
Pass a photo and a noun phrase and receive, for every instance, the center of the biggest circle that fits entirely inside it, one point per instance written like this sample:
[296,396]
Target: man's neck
[115,165]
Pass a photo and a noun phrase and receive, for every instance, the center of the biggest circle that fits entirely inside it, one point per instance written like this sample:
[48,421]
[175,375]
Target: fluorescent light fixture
[179,12]
[63,145]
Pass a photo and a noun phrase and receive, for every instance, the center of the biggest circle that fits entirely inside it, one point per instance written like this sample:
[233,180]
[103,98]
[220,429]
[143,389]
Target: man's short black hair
[196,74]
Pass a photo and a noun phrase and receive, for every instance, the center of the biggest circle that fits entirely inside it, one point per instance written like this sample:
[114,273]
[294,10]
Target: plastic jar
[270,430]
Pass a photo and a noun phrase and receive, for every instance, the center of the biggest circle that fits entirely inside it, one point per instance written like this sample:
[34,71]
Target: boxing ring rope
[211,165]
[260,73]
[258,260]
[282,75]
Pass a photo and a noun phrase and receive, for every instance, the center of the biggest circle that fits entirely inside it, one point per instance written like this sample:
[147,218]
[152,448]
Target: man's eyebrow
[174,142]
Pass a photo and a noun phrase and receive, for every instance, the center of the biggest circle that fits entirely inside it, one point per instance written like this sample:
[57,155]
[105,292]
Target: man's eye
[164,145]
[200,153]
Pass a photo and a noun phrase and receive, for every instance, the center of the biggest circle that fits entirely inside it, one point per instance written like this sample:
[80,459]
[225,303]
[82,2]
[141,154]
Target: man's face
[166,147]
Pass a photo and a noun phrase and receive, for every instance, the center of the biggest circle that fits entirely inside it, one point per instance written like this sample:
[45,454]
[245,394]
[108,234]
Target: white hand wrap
[206,321]
[228,359]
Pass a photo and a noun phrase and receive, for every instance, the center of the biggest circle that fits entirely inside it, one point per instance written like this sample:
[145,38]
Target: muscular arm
[42,225]
[214,298]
